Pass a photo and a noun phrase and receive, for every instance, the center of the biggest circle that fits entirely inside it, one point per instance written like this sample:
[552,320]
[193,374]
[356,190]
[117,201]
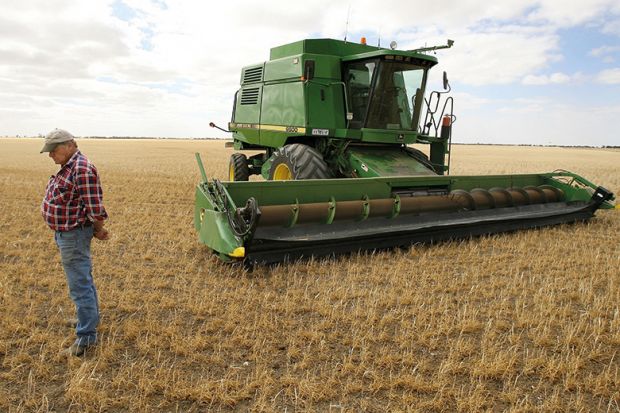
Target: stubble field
[528,321]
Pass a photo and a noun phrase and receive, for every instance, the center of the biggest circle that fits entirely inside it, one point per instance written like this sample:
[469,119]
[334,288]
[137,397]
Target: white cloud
[170,70]
[609,76]
[612,27]
[605,53]
[604,50]
[540,121]
[522,105]
[501,56]
[567,13]
[557,78]
[469,100]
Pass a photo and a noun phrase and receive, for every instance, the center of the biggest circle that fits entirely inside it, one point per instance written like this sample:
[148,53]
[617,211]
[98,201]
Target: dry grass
[521,322]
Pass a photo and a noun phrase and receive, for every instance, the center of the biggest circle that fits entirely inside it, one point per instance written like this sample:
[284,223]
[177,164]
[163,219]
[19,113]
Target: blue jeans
[74,249]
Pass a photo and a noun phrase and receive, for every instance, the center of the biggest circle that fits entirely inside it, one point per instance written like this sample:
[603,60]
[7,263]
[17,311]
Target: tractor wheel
[238,169]
[298,161]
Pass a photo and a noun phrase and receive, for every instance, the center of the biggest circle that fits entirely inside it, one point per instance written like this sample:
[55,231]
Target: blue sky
[522,71]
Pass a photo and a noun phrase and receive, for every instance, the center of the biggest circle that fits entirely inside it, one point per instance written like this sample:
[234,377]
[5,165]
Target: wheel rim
[231,172]
[282,173]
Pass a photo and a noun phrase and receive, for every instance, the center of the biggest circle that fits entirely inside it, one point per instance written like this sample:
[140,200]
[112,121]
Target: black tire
[302,161]
[238,169]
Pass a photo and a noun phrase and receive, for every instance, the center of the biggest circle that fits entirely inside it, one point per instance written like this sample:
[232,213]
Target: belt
[86,224]
[83,225]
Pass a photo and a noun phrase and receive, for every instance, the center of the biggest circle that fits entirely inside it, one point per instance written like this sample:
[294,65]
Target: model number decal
[320,132]
[282,128]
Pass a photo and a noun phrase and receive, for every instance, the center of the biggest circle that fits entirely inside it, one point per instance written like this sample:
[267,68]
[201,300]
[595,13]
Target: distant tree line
[453,143]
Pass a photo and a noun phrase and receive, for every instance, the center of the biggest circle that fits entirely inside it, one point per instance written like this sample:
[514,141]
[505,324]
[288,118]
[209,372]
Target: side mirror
[446,85]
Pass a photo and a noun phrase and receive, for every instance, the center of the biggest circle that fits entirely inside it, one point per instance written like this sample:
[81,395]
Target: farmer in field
[73,208]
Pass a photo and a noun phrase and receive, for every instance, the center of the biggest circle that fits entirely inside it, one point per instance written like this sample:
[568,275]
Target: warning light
[363,40]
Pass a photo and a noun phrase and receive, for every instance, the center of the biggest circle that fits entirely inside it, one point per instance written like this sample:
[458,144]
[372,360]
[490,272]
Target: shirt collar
[71,160]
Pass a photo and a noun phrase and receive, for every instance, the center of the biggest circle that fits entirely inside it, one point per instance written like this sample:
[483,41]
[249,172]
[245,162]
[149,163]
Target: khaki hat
[54,138]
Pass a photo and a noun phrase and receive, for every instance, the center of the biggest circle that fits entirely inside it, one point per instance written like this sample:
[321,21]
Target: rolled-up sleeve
[91,194]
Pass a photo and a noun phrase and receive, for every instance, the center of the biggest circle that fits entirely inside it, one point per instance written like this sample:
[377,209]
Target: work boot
[77,350]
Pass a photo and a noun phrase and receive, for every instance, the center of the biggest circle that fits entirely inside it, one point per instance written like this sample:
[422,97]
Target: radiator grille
[250,96]
[253,75]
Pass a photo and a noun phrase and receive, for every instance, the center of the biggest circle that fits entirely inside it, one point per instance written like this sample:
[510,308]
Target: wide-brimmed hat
[54,138]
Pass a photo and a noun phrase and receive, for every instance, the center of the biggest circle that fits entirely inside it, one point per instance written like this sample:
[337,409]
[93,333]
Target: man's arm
[91,195]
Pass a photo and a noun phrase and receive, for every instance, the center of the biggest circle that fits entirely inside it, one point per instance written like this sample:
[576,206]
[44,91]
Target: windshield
[387,101]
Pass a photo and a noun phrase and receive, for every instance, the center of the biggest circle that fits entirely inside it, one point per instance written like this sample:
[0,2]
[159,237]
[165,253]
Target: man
[73,208]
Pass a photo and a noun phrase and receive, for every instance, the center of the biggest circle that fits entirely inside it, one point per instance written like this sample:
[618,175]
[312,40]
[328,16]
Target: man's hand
[102,234]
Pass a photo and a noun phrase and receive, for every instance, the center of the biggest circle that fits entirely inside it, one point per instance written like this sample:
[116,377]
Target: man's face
[62,153]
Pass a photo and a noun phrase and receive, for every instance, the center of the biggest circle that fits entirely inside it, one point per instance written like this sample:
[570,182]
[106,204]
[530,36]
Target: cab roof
[345,50]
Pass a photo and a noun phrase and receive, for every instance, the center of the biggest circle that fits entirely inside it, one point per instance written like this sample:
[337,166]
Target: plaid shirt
[73,196]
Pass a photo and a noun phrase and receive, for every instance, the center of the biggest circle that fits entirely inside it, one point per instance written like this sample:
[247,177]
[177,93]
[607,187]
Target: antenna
[379,41]
[346,27]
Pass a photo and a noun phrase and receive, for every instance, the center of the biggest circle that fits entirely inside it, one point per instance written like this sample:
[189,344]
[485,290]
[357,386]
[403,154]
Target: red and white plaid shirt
[73,196]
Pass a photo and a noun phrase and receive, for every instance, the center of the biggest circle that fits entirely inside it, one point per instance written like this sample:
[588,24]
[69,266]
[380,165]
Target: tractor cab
[385,92]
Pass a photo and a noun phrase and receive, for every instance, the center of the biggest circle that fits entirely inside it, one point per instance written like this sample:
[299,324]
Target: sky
[543,72]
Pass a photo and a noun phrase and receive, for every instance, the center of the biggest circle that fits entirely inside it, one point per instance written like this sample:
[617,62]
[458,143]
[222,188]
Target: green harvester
[330,124]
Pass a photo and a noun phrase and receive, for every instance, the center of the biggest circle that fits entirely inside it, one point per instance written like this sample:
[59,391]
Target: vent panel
[253,75]
[250,96]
